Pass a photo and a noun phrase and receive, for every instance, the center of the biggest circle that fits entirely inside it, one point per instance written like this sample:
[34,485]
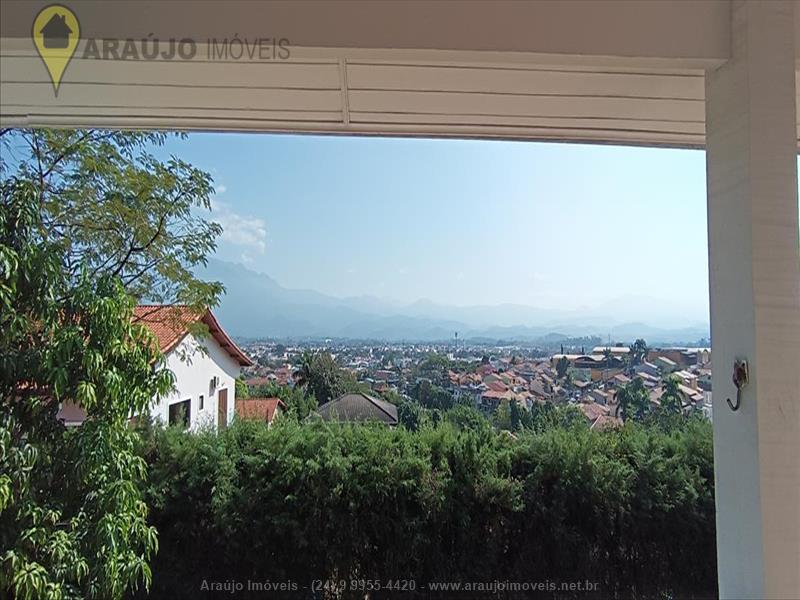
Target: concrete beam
[755,302]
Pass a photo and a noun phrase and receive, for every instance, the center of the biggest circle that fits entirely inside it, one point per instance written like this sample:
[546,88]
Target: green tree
[638,352]
[671,398]
[502,416]
[411,415]
[434,367]
[633,400]
[325,380]
[515,415]
[73,523]
[467,417]
[393,397]
[432,396]
[562,366]
[242,390]
[302,374]
[299,402]
[118,210]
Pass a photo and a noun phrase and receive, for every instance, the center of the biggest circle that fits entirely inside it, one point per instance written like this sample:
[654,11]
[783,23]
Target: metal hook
[741,377]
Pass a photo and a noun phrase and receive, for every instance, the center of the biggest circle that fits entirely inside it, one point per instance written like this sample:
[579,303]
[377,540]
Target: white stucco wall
[193,369]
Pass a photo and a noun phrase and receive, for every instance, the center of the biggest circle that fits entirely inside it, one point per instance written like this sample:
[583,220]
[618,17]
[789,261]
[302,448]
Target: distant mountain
[255,305]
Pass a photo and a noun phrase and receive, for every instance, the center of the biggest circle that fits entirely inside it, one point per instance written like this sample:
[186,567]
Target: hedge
[631,510]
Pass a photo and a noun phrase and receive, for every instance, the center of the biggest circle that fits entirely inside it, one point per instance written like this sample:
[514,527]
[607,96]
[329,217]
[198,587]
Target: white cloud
[244,231]
[221,189]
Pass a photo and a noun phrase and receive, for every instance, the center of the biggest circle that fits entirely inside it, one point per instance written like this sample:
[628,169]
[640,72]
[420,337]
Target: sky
[461,222]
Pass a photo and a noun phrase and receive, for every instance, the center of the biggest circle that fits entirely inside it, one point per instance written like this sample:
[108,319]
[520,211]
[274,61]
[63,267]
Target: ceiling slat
[521,81]
[29,69]
[503,120]
[478,104]
[127,97]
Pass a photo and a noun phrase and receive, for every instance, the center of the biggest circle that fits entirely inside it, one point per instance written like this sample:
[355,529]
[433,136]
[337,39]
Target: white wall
[193,368]
[751,177]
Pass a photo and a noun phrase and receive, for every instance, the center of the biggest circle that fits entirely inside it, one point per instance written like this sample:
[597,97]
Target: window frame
[172,419]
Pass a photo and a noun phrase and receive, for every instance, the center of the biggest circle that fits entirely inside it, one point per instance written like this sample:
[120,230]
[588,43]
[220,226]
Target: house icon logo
[56,33]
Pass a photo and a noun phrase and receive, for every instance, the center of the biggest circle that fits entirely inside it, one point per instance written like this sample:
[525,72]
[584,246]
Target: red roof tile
[496,386]
[170,324]
[259,409]
[495,395]
[593,410]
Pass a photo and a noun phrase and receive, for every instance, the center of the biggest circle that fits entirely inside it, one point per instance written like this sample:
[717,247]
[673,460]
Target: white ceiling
[322,92]
[642,84]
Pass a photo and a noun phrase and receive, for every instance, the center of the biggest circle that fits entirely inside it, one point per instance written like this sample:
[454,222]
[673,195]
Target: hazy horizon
[652,307]
[463,222]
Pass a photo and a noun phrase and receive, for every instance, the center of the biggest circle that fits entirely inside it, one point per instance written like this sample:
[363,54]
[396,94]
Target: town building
[354,408]
[259,409]
[204,360]
[205,366]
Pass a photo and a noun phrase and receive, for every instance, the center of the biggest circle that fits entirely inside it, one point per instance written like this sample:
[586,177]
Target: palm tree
[638,352]
[671,399]
[607,355]
[632,400]
[624,398]
[303,373]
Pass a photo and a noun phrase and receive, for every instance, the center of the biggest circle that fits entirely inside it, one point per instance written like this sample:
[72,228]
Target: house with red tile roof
[259,409]
[496,386]
[204,360]
[599,416]
[205,366]
[493,398]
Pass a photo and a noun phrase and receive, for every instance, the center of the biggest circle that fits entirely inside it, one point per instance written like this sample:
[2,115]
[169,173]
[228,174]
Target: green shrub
[631,509]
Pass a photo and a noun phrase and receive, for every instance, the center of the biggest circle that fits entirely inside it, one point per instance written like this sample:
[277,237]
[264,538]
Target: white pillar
[755,302]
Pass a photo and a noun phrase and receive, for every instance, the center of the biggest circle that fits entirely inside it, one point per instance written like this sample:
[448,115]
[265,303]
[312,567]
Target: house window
[201,401]
[179,413]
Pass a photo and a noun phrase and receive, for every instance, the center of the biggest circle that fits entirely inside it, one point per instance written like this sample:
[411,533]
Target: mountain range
[256,306]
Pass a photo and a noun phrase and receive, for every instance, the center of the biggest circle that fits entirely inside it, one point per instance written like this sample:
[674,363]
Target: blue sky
[462,222]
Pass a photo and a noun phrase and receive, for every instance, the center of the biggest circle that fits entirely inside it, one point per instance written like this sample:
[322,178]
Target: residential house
[666,365]
[259,409]
[686,378]
[683,357]
[359,408]
[649,368]
[205,367]
[650,381]
[599,417]
[620,379]
[704,379]
[601,397]
[620,352]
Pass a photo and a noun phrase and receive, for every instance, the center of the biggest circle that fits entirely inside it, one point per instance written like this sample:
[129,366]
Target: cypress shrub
[631,510]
